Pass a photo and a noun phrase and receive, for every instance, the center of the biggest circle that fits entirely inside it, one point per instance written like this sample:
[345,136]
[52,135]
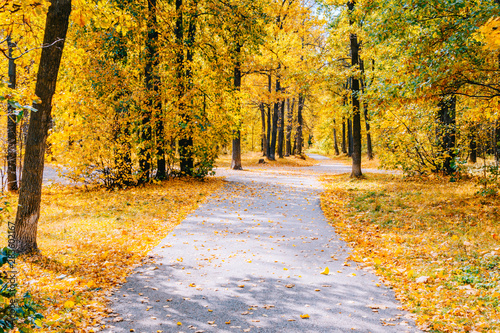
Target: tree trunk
[28,212]
[369,149]
[335,144]
[11,126]
[154,102]
[473,146]
[274,132]
[356,115]
[153,82]
[263,136]
[497,141]
[269,89]
[281,133]
[349,137]
[300,122]
[183,78]
[289,127]
[236,155]
[446,131]
[344,143]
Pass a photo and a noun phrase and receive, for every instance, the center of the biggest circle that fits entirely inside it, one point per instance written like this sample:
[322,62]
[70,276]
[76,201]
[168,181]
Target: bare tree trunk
[11,126]
[356,117]
[236,154]
[281,133]
[335,144]
[289,126]
[300,122]
[269,89]
[153,86]
[263,136]
[473,145]
[349,137]
[369,149]
[446,131]
[274,132]
[28,213]
[497,142]
[344,143]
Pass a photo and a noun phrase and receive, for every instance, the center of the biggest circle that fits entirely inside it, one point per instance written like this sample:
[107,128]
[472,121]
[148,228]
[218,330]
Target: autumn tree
[28,212]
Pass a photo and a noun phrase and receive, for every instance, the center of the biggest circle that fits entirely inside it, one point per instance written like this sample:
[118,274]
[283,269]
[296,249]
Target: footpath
[250,260]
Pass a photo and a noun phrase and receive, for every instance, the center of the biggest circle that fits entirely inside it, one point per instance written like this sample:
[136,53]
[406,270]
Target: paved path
[249,260]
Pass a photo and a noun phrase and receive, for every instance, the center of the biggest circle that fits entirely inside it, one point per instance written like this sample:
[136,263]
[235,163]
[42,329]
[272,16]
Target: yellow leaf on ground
[326,271]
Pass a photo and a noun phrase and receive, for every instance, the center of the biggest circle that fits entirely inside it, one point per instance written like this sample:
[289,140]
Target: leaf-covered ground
[251,159]
[91,240]
[435,242]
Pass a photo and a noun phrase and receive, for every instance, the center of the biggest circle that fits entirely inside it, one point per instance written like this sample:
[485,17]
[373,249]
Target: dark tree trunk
[344,143]
[28,212]
[274,132]
[473,146]
[446,131]
[154,100]
[369,149]
[335,143]
[497,142]
[11,126]
[349,137]
[269,88]
[236,149]
[263,136]
[289,127]
[300,122]
[281,133]
[356,115]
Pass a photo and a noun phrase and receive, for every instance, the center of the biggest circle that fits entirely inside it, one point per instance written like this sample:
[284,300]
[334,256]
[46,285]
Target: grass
[435,242]
[90,241]
[251,159]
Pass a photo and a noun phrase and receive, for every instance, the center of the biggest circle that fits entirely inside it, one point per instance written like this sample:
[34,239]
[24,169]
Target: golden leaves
[437,253]
[92,239]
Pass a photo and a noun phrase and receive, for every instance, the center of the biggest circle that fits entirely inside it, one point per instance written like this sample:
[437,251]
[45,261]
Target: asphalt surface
[249,260]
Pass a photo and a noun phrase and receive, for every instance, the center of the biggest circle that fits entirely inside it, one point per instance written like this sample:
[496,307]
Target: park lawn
[435,242]
[251,159]
[90,240]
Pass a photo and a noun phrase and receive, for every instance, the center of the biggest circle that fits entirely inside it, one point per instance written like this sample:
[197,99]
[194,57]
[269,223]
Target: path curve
[249,260]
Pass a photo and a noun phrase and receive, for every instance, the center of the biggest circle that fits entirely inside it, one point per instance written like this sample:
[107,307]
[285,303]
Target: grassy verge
[251,159]
[435,242]
[91,240]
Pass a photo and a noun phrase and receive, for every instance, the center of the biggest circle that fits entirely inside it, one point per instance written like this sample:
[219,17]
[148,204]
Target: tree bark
[369,148]
[269,89]
[344,143]
[281,132]
[153,86]
[300,122]
[11,126]
[356,115]
[335,143]
[274,131]
[236,147]
[497,142]
[349,137]
[263,136]
[446,131]
[289,127]
[28,213]
[473,146]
